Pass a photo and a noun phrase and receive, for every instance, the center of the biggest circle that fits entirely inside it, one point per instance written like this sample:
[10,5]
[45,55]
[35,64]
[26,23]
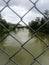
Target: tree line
[4,25]
[34,24]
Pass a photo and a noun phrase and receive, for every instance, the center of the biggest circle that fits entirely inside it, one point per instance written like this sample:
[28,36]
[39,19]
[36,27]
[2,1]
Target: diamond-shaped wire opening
[22,33]
[35,46]
[42,5]
[44,58]
[10,45]
[5,54]
[44,37]
[23,58]
[33,16]
[7,44]
[10,16]
[3,58]
[20,7]
[45,16]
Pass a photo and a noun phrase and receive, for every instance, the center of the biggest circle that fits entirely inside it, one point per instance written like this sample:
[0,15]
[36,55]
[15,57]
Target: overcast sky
[21,7]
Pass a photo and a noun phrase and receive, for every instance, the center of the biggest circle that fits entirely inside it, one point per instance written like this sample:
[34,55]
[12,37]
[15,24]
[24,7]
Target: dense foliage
[39,22]
[4,26]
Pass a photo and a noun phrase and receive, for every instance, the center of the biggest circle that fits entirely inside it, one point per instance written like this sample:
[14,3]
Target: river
[34,46]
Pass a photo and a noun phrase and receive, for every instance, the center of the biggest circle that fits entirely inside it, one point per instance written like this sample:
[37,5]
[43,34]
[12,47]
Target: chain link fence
[10,58]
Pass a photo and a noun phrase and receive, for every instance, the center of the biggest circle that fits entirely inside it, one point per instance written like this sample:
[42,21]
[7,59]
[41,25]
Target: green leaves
[39,22]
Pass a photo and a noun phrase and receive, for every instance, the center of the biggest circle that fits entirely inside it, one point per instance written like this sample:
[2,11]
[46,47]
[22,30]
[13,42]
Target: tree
[39,22]
[33,24]
[4,23]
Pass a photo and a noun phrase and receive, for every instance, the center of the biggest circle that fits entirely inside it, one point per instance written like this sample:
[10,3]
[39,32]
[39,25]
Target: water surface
[34,46]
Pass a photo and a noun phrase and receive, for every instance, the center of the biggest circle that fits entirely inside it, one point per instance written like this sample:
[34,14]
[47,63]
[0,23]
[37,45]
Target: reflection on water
[34,46]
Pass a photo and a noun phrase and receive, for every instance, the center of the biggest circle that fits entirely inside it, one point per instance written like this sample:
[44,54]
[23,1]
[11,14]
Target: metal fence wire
[10,58]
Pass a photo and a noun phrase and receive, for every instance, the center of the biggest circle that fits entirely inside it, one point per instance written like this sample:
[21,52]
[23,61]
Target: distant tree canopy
[9,26]
[39,22]
[3,23]
[34,24]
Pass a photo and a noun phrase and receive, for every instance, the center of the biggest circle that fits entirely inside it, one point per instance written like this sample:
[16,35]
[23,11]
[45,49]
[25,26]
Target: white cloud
[21,7]
[31,16]
[10,16]
[20,10]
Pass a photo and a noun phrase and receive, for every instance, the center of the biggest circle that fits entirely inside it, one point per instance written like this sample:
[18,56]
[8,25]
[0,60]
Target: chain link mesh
[10,58]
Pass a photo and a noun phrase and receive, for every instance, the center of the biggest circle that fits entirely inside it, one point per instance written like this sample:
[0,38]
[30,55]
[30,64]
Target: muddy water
[34,46]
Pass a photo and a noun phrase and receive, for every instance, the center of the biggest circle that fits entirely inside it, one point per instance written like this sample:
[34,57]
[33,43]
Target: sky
[21,7]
